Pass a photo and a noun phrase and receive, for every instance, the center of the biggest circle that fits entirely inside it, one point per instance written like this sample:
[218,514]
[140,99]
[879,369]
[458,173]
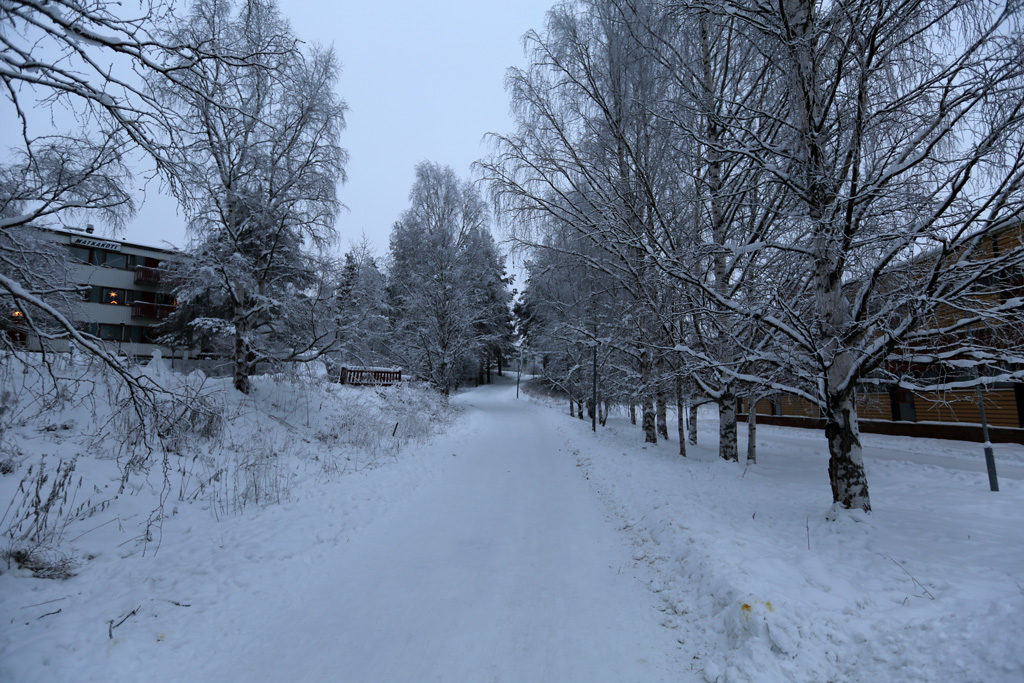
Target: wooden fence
[371,376]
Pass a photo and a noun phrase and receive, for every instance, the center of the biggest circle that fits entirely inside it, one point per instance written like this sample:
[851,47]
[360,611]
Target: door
[902,405]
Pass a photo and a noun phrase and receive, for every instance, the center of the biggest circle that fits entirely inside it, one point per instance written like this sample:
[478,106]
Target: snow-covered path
[505,566]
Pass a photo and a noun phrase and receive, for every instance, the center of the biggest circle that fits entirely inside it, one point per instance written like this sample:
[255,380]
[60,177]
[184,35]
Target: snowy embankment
[929,586]
[153,540]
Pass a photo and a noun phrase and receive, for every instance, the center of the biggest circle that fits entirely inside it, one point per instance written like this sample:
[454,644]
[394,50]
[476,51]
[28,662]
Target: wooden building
[951,414]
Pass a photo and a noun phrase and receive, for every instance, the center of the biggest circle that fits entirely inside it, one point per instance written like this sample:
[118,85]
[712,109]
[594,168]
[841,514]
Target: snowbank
[764,587]
[155,525]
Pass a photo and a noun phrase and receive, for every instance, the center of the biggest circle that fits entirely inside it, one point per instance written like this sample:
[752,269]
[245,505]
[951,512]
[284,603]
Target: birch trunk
[832,309]
[752,432]
[650,433]
[680,416]
[691,424]
[241,366]
[727,448]
[661,407]
[646,401]
[846,461]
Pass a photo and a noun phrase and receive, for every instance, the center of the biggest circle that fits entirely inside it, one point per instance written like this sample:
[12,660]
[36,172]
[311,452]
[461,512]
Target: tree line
[439,306]
[731,198]
[720,198]
[241,121]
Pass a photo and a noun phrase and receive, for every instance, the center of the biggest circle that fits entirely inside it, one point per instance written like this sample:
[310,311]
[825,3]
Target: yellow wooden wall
[874,406]
[962,406]
[950,406]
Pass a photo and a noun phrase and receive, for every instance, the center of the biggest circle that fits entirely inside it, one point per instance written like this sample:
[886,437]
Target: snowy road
[504,567]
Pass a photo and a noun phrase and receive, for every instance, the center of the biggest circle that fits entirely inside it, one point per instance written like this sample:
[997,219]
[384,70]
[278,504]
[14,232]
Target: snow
[517,545]
[473,556]
[926,587]
[502,567]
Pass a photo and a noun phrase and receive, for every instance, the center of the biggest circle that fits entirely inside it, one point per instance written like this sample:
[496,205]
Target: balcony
[144,275]
[145,309]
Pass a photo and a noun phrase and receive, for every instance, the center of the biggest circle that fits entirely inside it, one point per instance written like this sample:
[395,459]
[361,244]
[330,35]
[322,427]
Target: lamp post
[990,460]
[593,414]
[520,373]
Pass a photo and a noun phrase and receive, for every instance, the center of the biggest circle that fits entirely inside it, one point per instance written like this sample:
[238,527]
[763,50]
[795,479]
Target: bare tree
[901,148]
[260,142]
[801,197]
[439,306]
[83,64]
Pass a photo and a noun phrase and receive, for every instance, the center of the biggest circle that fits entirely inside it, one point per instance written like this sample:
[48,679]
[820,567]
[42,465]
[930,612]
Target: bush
[43,565]
[256,473]
[38,515]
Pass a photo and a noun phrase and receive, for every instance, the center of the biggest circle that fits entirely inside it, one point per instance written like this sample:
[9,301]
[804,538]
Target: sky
[423,81]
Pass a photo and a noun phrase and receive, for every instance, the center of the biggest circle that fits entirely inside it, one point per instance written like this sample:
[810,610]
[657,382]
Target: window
[110,259]
[113,259]
[79,254]
[118,297]
[111,332]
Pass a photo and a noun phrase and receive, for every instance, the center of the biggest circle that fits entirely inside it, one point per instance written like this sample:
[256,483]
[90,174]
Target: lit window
[113,296]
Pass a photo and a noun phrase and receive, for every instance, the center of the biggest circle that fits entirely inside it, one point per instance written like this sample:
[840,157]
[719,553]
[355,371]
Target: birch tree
[588,155]
[902,147]
[263,169]
[441,251]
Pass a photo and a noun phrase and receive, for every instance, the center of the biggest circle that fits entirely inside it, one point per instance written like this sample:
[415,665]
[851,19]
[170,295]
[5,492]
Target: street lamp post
[520,373]
[593,414]
[990,460]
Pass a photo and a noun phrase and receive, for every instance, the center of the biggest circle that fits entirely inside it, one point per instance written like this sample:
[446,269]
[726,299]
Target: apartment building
[124,288]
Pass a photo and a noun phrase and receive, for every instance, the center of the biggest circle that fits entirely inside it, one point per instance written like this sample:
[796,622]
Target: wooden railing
[144,275]
[145,309]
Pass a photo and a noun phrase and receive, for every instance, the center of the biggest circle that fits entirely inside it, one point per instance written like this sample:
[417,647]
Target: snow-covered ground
[929,586]
[479,555]
[298,464]
[516,545]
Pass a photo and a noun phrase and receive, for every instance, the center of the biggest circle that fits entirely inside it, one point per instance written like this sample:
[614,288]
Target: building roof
[71,232]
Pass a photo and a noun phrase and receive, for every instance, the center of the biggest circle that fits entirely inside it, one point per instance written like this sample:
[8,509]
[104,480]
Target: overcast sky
[422,81]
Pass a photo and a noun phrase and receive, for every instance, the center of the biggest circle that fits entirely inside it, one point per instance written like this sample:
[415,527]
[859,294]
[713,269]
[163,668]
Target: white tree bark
[727,448]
